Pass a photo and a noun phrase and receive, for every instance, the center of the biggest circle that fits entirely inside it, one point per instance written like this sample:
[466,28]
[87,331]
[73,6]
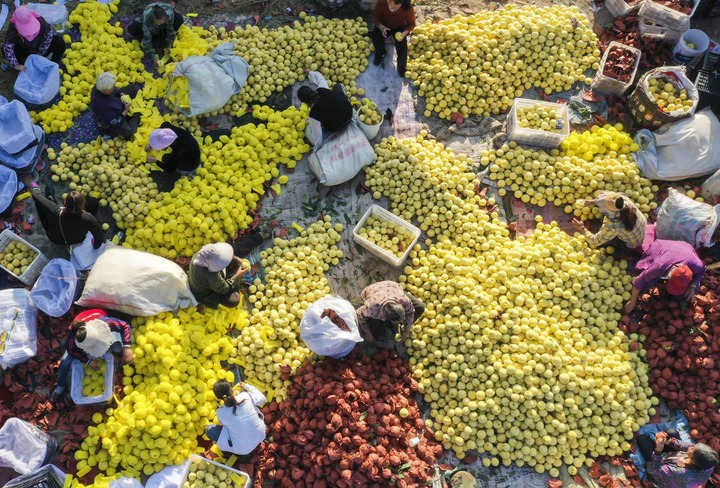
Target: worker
[675,261]
[622,220]
[28,34]
[69,225]
[673,463]
[386,304]
[90,336]
[110,106]
[394,19]
[184,155]
[215,276]
[157,29]
[242,424]
[330,110]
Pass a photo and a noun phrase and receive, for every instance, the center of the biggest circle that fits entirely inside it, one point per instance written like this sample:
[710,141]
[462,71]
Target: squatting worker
[157,29]
[90,336]
[386,305]
[622,220]
[330,110]
[394,19]
[675,261]
[28,34]
[242,424]
[69,225]
[214,279]
[672,463]
[184,155]
[110,106]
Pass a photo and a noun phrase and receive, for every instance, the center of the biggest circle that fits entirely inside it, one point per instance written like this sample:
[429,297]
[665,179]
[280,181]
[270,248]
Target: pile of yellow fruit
[337,48]
[590,162]
[214,205]
[101,48]
[270,348]
[93,381]
[539,117]
[168,393]
[519,352]
[17,257]
[477,64]
[368,112]
[668,96]
[390,236]
[202,474]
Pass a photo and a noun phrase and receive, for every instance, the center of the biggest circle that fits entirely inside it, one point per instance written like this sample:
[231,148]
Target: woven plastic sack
[16,127]
[40,82]
[18,327]
[680,218]
[25,159]
[143,285]
[56,14]
[8,187]
[24,447]
[54,291]
[342,156]
[322,336]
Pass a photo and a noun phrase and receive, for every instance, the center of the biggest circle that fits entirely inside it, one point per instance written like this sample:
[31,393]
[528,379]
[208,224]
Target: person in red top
[90,336]
[393,17]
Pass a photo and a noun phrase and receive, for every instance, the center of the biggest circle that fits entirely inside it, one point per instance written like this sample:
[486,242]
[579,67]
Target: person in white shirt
[242,424]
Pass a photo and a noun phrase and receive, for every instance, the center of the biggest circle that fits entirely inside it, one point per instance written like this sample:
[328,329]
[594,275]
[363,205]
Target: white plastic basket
[34,269]
[659,32]
[610,85]
[620,8]
[195,458]
[76,388]
[378,251]
[370,131]
[665,16]
[537,137]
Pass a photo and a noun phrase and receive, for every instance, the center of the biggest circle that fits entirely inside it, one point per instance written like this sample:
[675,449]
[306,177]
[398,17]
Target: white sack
[325,338]
[342,156]
[17,327]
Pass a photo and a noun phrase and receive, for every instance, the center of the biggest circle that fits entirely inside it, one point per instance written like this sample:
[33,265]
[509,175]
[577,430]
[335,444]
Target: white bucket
[371,131]
[683,54]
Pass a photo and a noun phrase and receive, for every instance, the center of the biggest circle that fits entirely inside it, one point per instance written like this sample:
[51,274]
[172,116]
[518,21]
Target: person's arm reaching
[47,37]
[96,230]
[318,80]
[9,50]
[257,397]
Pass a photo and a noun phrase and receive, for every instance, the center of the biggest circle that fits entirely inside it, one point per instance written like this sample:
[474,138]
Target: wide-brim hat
[97,338]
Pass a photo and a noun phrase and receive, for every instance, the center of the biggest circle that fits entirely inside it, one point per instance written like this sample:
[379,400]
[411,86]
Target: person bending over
[330,110]
[242,424]
[622,220]
[157,29]
[184,155]
[110,106]
[672,463]
[28,34]
[213,281]
[386,304]
[70,224]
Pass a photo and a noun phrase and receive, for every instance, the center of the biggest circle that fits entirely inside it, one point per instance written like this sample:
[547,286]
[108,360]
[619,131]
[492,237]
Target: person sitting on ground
[184,155]
[672,463]
[69,225]
[330,110]
[393,18]
[242,424]
[386,304]
[157,29]
[110,106]
[90,336]
[28,34]
[675,261]
[208,276]
[622,220]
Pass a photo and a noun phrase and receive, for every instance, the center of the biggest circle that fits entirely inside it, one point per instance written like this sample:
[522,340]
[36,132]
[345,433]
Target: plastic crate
[76,388]
[653,30]
[666,16]
[31,274]
[46,477]
[708,81]
[195,458]
[610,85]
[620,8]
[537,137]
[378,251]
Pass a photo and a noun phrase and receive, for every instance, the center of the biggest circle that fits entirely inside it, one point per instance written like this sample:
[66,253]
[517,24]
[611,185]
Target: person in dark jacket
[184,156]
[394,18]
[110,106]
[157,29]
[30,34]
[673,463]
[330,110]
[70,224]
[208,276]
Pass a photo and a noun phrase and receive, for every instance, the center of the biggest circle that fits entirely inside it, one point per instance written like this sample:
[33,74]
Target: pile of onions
[348,423]
[683,349]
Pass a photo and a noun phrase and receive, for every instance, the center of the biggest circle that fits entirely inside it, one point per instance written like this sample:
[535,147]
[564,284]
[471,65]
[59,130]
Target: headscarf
[215,257]
[162,138]
[105,81]
[27,23]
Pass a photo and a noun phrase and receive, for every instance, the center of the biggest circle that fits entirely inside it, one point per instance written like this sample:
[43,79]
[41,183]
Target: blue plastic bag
[23,160]
[8,187]
[54,291]
[40,82]
[16,127]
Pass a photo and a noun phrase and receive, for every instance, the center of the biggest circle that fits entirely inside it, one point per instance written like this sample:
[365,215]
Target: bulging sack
[24,447]
[18,327]
[680,218]
[323,335]
[342,156]
[54,291]
[40,82]
[16,127]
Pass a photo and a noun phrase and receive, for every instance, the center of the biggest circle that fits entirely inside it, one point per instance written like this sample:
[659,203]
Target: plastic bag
[84,255]
[125,482]
[16,128]
[18,332]
[40,82]
[54,291]
[680,218]
[169,477]
[680,150]
[342,156]
[8,187]
[144,285]
[24,447]
[56,14]
[211,80]
[325,338]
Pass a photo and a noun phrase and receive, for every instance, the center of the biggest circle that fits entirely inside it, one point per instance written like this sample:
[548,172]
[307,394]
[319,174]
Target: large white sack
[322,336]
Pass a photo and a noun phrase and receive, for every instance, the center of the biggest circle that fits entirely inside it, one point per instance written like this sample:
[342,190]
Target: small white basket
[76,388]
[378,251]
[620,8]
[370,131]
[195,458]
[612,86]
[34,269]
[659,32]
[665,16]
[537,137]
